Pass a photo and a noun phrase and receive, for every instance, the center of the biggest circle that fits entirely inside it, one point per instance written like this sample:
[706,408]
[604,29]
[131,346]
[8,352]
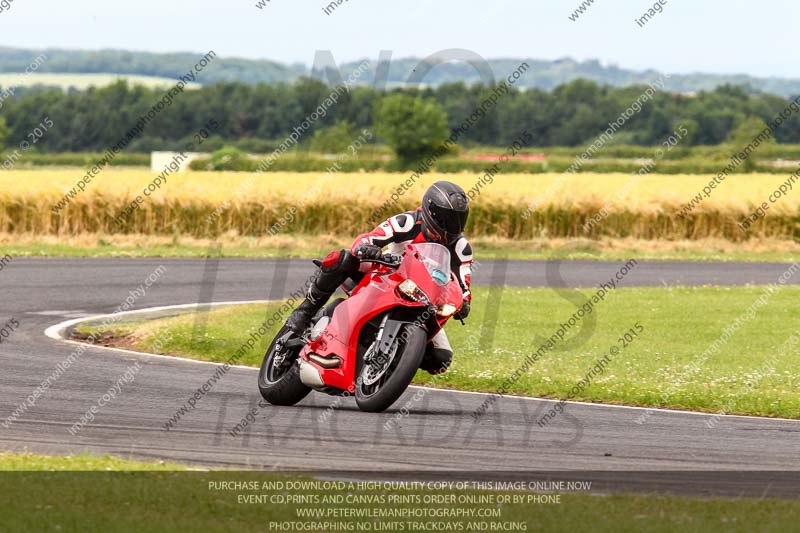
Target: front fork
[388,334]
[283,347]
[377,344]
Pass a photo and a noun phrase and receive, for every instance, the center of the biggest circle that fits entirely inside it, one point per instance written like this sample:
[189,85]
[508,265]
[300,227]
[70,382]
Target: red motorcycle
[370,344]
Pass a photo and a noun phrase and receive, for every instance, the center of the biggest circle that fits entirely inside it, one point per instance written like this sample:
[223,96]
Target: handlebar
[389,260]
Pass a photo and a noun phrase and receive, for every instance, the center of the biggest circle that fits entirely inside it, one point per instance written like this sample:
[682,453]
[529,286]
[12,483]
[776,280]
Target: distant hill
[550,74]
[541,74]
[170,65]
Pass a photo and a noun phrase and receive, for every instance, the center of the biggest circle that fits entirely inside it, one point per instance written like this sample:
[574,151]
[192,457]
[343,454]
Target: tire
[403,367]
[280,388]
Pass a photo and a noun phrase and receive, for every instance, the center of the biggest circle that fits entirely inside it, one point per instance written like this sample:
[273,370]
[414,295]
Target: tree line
[259,117]
[543,74]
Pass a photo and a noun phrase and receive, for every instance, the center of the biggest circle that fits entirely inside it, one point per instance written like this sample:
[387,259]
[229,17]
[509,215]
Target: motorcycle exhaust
[325,362]
[309,375]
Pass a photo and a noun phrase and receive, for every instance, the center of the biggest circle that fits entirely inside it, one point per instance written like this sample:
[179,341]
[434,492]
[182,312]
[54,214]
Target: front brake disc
[376,365]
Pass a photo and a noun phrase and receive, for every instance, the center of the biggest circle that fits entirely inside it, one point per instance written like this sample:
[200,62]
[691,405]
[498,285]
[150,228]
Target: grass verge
[739,356]
[250,501]
[294,245]
[77,463]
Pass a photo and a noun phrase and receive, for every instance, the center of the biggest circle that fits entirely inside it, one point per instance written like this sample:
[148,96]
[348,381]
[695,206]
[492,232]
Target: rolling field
[83,81]
[515,206]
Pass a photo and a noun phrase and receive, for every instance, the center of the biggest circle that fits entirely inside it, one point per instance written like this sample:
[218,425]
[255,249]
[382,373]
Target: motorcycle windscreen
[436,259]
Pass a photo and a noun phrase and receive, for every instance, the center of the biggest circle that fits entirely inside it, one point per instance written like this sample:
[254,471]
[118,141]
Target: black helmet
[445,208]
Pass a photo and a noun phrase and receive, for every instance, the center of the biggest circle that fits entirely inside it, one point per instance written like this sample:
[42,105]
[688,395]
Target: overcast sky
[721,36]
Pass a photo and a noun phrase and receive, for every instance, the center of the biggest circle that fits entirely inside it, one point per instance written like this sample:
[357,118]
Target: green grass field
[751,371]
[79,500]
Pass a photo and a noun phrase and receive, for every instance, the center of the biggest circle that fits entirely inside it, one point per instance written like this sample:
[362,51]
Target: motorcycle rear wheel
[380,396]
[280,386]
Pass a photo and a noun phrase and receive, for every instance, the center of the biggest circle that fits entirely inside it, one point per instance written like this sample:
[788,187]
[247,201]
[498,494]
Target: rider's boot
[301,317]
[334,270]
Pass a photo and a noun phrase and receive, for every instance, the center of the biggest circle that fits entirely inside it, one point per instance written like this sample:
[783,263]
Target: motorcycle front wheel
[280,384]
[378,386]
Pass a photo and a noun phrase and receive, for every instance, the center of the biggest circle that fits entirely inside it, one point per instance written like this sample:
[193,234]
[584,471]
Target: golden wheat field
[206,204]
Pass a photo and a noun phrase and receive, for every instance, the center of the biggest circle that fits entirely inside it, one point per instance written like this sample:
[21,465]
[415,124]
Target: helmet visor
[449,220]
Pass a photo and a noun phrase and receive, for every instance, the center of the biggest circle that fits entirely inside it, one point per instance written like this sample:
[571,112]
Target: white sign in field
[160,160]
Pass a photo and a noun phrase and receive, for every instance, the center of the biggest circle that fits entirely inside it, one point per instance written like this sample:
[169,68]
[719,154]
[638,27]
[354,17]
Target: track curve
[438,434]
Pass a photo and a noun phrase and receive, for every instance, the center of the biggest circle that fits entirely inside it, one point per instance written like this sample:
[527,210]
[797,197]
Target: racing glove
[462,313]
[367,252]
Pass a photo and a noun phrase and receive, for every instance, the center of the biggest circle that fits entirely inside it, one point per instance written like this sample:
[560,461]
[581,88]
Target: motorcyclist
[440,219]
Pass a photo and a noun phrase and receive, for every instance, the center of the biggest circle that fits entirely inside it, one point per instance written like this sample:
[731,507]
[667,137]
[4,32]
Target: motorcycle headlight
[446,310]
[410,290]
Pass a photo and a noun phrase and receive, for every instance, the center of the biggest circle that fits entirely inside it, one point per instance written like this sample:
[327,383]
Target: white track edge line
[55,332]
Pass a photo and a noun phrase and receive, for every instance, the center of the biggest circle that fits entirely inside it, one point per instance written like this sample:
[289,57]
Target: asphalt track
[437,435]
